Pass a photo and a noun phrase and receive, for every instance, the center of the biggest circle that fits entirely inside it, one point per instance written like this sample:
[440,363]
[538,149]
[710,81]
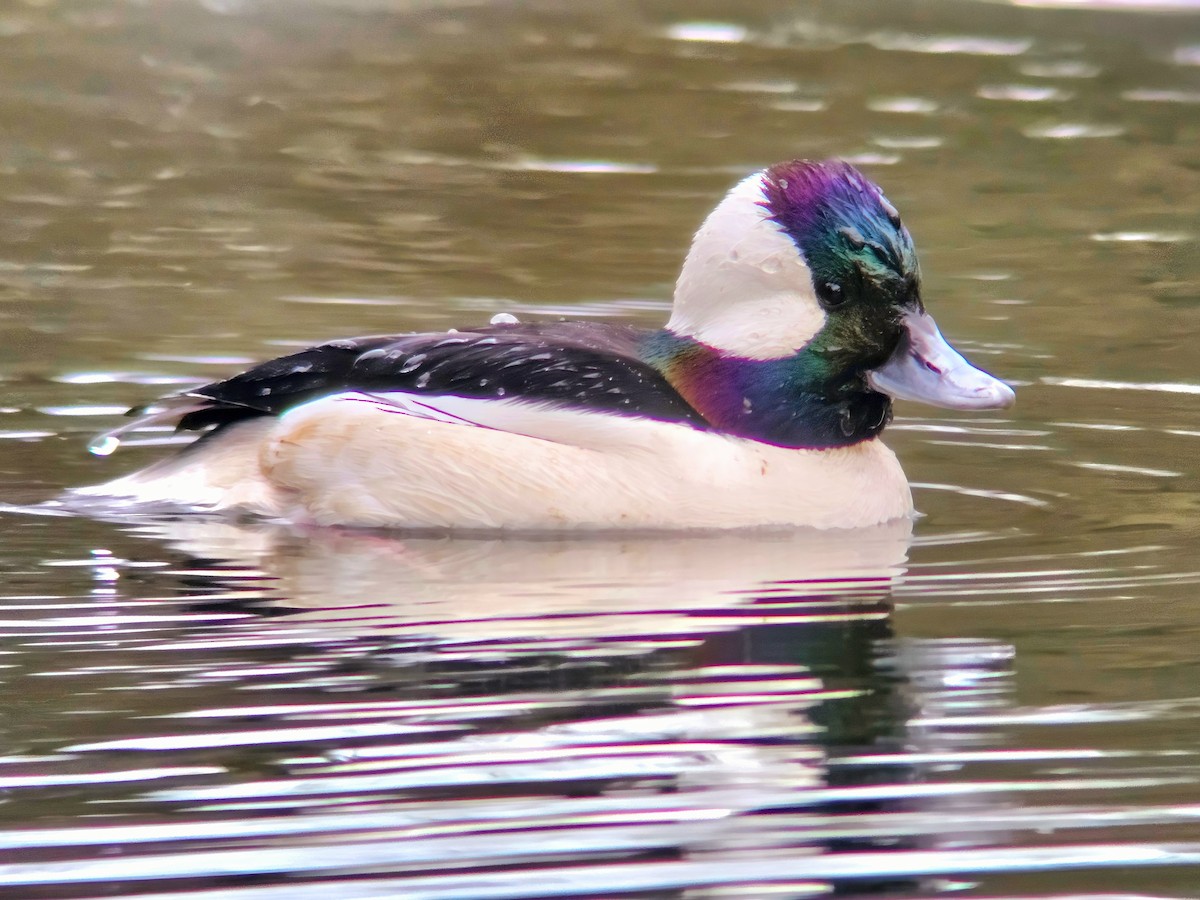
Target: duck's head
[806,269]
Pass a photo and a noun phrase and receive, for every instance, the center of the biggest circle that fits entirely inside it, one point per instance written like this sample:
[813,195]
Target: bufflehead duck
[797,320]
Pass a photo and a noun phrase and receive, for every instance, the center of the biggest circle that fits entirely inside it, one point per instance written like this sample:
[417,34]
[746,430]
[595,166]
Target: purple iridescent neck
[788,402]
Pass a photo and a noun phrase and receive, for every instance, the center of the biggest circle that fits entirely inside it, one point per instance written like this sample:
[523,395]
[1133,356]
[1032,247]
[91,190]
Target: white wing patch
[545,421]
[433,409]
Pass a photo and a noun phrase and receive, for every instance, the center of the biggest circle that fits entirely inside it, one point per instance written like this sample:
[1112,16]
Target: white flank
[744,287]
[450,462]
[221,474]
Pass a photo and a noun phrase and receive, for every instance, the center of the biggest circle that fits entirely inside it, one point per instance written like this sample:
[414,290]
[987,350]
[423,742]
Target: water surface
[1001,704]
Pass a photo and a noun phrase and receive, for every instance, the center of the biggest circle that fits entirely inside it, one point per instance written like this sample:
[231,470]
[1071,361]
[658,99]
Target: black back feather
[571,364]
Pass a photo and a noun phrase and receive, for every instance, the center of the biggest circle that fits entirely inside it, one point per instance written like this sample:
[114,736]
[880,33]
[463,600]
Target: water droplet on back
[104,445]
[505,319]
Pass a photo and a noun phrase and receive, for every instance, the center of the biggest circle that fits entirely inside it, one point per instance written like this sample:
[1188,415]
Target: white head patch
[744,287]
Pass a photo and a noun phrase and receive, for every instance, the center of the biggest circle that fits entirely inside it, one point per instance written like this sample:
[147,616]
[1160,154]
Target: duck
[797,321]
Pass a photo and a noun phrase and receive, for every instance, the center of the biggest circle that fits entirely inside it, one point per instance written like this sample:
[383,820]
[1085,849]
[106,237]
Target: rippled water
[1002,704]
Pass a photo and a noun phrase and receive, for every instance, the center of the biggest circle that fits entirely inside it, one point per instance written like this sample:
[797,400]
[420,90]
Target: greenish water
[1006,706]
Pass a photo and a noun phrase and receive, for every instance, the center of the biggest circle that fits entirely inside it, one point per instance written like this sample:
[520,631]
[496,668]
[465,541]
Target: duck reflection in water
[738,698]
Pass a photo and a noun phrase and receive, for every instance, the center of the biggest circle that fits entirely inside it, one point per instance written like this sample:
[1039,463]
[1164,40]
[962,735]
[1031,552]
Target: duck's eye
[832,295]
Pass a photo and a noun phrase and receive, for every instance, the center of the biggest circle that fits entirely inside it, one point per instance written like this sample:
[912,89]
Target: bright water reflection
[627,714]
[1003,704]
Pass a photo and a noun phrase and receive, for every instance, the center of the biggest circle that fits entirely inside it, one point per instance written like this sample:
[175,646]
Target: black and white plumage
[567,364]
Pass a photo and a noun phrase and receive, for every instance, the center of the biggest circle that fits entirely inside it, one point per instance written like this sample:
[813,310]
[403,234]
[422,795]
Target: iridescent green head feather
[864,267]
[847,231]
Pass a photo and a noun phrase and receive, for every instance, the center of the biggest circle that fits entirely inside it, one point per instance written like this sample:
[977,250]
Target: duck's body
[797,317]
[334,461]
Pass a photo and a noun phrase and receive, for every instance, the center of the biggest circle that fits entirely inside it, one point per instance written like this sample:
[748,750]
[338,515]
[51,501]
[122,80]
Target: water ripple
[1070,131]
[1107,385]
[708,32]
[249,711]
